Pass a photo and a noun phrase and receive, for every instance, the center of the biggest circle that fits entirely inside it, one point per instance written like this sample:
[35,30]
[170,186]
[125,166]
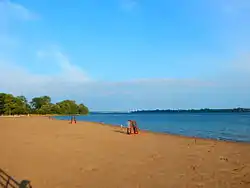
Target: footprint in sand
[246,182]
[154,157]
[240,168]
[193,167]
[223,158]
[89,169]
[199,185]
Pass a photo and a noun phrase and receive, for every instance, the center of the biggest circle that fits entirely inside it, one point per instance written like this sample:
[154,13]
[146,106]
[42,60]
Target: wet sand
[55,154]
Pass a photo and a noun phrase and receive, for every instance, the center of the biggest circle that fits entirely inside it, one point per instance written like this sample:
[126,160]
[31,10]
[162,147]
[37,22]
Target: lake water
[220,126]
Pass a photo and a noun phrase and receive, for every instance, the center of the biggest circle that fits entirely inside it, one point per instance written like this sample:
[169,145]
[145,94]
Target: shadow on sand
[120,131]
[7,181]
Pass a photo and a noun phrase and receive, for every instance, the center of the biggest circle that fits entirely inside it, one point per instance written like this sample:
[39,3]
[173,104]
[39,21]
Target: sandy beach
[56,154]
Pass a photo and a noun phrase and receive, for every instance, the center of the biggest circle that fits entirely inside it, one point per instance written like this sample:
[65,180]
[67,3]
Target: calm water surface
[220,126]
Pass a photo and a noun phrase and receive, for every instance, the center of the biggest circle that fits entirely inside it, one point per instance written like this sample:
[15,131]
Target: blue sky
[128,54]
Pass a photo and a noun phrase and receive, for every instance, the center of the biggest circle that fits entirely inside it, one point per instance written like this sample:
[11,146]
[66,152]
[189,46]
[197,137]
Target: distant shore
[204,110]
[54,153]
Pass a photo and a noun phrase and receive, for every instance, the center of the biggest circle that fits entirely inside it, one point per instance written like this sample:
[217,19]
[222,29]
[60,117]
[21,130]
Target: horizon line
[128,111]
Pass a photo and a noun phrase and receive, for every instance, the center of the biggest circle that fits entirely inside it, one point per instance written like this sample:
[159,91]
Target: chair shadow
[120,131]
[7,181]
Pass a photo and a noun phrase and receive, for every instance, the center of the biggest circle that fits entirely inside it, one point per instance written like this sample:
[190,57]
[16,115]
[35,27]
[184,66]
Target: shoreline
[162,133]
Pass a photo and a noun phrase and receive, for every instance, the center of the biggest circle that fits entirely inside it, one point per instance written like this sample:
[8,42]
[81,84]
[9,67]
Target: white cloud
[17,63]
[98,94]
[16,79]
[70,82]
[11,10]
[66,69]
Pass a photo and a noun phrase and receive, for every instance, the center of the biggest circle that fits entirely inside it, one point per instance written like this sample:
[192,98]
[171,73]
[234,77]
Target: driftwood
[6,181]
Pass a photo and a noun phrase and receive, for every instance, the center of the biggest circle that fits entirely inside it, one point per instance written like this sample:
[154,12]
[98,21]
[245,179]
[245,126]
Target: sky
[119,55]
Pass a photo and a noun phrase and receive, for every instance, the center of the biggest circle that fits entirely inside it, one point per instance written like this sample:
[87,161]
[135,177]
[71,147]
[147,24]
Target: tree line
[19,105]
[204,110]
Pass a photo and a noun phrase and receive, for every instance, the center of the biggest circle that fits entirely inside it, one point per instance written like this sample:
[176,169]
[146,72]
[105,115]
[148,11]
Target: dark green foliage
[11,105]
[68,107]
[2,96]
[38,102]
[82,109]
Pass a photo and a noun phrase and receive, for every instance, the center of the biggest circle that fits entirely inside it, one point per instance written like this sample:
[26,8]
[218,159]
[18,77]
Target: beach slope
[56,154]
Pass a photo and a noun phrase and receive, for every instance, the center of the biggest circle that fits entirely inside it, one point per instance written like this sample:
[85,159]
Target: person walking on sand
[74,119]
[129,127]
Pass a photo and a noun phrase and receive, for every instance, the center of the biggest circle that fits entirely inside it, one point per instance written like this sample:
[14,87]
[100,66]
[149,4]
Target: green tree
[45,109]
[55,109]
[38,102]
[82,109]
[2,100]
[13,105]
[10,105]
[68,107]
[23,105]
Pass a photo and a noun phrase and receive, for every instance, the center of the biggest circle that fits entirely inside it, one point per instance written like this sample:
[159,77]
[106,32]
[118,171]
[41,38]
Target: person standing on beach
[135,127]
[129,127]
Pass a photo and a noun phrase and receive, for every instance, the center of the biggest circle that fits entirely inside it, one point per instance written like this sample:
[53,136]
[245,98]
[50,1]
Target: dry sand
[55,154]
